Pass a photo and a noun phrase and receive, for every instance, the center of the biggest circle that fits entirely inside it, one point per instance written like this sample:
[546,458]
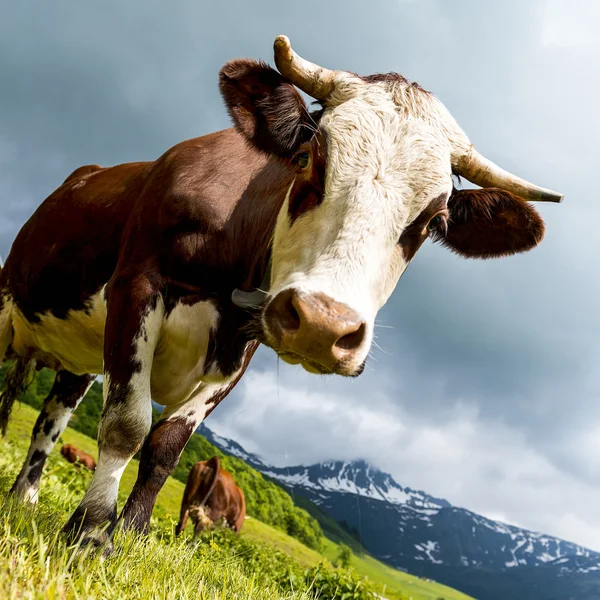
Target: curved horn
[310,78]
[483,172]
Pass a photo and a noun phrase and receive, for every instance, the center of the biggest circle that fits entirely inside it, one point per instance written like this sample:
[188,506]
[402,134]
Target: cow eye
[303,160]
[435,223]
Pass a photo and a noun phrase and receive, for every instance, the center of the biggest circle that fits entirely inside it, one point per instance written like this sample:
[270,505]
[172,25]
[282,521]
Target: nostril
[353,340]
[289,319]
[293,318]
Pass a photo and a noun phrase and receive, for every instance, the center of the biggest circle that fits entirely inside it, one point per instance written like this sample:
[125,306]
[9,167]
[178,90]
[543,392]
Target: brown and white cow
[211,498]
[78,457]
[130,270]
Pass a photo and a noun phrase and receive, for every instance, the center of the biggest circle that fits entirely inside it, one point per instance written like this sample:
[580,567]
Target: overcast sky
[485,390]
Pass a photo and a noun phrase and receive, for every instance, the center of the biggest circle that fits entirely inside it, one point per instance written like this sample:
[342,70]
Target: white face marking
[388,157]
[199,517]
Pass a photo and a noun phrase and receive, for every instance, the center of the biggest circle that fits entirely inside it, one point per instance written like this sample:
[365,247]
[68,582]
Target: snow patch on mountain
[358,478]
[428,548]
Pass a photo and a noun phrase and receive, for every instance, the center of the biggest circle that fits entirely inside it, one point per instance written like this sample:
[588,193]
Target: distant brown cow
[78,457]
[211,497]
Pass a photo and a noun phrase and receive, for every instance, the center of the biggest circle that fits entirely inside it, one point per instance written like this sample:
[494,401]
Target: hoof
[27,494]
[86,535]
[94,540]
[99,541]
[31,496]
[136,517]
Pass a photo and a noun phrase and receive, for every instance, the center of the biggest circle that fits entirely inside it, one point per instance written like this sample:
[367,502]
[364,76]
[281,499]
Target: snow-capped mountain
[358,478]
[427,536]
[402,525]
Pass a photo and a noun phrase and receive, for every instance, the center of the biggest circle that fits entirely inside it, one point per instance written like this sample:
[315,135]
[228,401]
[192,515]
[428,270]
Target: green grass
[34,563]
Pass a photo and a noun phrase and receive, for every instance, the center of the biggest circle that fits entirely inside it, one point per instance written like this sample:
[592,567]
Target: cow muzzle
[312,329]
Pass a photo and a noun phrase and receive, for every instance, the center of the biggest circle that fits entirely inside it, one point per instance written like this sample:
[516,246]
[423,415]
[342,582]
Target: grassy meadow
[262,563]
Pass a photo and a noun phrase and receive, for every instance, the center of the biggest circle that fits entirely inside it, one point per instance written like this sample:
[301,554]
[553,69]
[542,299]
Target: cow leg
[191,488]
[184,514]
[198,528]
[165,444]
[161,453]
[134,318]
[64,397]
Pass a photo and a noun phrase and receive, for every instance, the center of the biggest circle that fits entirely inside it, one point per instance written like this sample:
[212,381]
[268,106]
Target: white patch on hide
[75,343]
[104,486]
[178,371]
[6,331]
[31,495]
[193,411]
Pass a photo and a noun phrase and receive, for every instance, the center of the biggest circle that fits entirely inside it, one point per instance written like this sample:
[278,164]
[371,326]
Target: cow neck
[266,194]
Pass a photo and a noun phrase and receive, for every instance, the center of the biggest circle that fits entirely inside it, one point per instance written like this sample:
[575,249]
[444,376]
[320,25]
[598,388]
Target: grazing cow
[211,496]
[291,229]
[78,457]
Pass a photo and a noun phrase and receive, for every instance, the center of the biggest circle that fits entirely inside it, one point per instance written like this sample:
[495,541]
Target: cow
[211,498]
[290,229]
[78,457]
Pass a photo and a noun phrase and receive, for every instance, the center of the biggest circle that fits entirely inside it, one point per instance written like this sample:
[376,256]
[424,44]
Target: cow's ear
[490,223]
[264,106]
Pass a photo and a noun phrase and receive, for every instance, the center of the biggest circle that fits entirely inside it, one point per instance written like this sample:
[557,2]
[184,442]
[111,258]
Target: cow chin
[345,368]
[312,366]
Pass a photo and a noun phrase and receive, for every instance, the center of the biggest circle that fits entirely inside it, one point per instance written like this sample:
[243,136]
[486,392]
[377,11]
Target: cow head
[372,181]
[201,518]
